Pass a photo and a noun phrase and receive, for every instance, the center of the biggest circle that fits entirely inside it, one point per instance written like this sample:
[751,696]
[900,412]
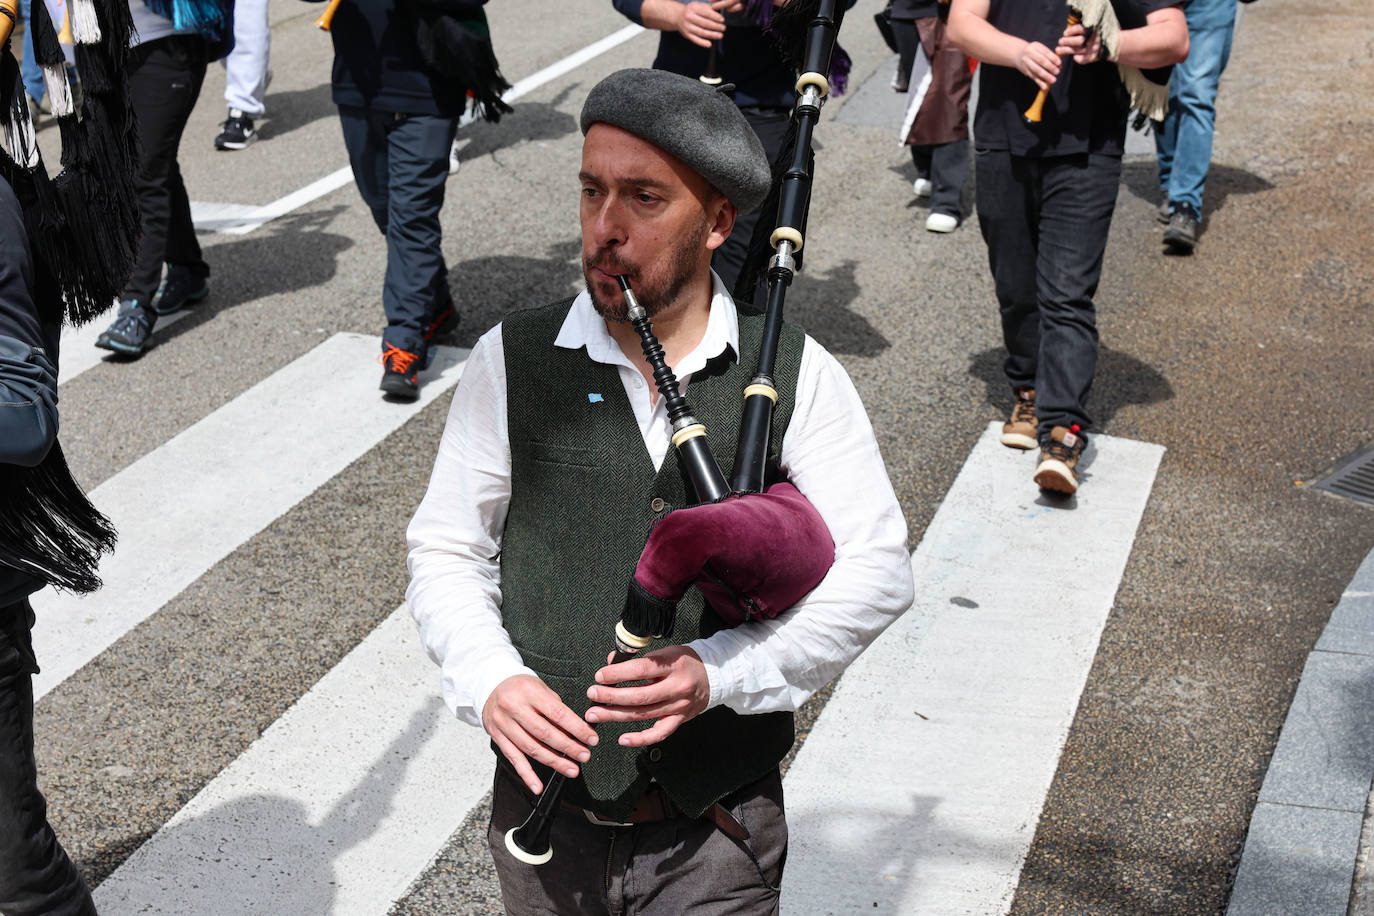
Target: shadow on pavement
[288,111]
[297,255]
[1121,381]
[530,122]
[1141,178]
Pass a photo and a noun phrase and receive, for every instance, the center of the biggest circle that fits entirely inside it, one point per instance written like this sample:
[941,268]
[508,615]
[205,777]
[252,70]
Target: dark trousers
[1045,222]
[164,82]
[666,868]
[400,162]
[945,166]
[770,124]
[36,877]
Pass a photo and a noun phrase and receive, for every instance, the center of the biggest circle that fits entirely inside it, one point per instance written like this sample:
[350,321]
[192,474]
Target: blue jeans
[1184,140]
[400,163]
[1045,222]
[32,73]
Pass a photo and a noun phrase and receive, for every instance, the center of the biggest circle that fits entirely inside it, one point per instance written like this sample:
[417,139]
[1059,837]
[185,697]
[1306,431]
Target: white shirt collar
[585,328]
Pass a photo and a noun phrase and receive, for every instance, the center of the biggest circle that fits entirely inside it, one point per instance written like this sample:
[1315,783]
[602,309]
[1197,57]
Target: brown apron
[943,116]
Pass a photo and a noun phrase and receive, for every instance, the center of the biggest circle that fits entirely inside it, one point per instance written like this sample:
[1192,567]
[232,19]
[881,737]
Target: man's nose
[608,227]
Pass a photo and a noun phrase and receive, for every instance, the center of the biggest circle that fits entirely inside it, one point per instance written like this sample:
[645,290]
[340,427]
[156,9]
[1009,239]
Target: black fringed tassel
[454,48]
[49,529]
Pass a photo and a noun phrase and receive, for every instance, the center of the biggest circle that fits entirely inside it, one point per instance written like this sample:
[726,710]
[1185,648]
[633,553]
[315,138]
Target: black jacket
[377,60]
[28,370]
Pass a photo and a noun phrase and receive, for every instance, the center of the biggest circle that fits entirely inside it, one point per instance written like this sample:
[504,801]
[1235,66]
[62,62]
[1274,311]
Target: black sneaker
[131,332]
[181,287]
[237,132]
[399,368]
[1181,236]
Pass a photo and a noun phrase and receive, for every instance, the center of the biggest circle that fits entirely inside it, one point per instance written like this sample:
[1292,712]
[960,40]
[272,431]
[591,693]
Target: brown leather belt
[655,805]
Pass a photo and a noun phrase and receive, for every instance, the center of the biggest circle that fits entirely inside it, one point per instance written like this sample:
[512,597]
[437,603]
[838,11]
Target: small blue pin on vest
[594,398]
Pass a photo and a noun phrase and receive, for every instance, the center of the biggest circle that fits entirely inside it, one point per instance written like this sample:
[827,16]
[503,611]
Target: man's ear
[722,214]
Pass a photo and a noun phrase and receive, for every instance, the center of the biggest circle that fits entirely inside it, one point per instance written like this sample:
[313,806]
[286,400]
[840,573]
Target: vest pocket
[557,453]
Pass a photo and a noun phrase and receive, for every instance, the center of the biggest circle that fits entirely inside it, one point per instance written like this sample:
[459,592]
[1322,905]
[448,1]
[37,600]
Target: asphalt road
[1250,362]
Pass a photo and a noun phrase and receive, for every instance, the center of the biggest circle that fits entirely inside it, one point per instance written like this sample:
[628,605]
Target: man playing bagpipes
[1050,131]
[553,468]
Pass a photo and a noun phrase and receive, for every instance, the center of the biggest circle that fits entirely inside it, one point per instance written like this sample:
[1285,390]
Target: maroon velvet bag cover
[751,555]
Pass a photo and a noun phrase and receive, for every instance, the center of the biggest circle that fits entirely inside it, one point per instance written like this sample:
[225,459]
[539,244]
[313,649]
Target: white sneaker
[453,160]
[941,222]
[922,187]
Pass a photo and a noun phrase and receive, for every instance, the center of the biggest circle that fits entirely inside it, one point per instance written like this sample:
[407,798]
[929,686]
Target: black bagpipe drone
[752,551]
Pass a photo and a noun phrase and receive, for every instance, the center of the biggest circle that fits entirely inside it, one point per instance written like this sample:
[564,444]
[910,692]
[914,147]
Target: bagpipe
[1148,89]
[752,550]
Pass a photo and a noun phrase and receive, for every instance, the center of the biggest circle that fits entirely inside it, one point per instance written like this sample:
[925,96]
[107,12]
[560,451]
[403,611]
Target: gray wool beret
[694,122]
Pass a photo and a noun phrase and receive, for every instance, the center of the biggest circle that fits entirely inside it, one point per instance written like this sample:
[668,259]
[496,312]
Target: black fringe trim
[453,50]
[48,528]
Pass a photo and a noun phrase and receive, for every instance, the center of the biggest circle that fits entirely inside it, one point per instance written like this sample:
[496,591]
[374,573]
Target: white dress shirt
[828,452]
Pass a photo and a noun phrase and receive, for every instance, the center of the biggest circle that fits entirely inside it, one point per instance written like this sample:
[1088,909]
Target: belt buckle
[601,822]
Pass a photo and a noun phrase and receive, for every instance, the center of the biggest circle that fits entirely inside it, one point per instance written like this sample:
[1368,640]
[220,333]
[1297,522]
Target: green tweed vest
[584,494]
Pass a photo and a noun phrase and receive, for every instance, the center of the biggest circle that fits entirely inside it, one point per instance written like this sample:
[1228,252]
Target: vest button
[657,505]
[655,755]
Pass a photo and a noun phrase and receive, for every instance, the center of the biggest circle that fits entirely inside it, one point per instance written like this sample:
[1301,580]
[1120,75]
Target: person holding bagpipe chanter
[727,41]
[554,465]
[1056,85]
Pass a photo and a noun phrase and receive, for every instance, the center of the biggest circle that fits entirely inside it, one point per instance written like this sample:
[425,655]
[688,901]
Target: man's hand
[1039,63]
[527,720]
[1076,42]
[703,23]
[676,689]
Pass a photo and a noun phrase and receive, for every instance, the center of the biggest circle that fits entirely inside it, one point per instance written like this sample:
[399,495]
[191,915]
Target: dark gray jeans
[667,868]
[1045,222]
[400,162]
[36,877]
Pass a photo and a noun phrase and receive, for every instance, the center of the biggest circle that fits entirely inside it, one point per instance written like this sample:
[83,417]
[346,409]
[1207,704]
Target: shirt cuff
[484,683]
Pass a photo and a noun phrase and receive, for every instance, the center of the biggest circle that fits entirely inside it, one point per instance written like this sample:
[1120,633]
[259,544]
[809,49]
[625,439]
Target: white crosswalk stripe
[335,809]
[193,500]
[953,721]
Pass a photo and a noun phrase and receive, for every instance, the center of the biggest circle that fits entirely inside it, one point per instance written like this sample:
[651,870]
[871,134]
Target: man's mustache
[608,263]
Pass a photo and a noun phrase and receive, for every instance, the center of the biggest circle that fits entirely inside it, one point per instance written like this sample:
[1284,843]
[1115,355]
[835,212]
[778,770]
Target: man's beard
[655,289]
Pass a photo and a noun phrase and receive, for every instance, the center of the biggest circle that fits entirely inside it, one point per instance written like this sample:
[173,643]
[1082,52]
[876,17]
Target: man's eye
[645,198]
[589,192]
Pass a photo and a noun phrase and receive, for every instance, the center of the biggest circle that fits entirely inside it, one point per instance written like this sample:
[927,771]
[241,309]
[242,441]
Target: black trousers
[770,124]
[36,877]
[165,77]
[400,162]
[1045,222]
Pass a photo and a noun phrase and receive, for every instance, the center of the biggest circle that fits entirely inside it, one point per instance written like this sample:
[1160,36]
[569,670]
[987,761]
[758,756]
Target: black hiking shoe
[399,371]
[1181,236]
[181,287]
[131,333]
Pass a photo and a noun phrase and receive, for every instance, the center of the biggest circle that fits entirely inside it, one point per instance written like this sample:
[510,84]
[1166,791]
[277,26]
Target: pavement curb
[1304,853]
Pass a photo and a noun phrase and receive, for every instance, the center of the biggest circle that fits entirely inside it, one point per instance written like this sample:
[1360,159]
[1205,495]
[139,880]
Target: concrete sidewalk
[1309,847]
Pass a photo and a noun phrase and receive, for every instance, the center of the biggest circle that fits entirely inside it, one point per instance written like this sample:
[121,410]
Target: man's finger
[660,731]
[517,760]
[539,750]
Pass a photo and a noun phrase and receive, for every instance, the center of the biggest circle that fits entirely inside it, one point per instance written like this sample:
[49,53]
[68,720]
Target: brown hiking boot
[1058,459]
[1019,432]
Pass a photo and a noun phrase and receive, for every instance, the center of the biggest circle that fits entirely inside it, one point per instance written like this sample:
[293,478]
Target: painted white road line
[190,502]
[79,352]
[336,809]
[919,789]
[241,219]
